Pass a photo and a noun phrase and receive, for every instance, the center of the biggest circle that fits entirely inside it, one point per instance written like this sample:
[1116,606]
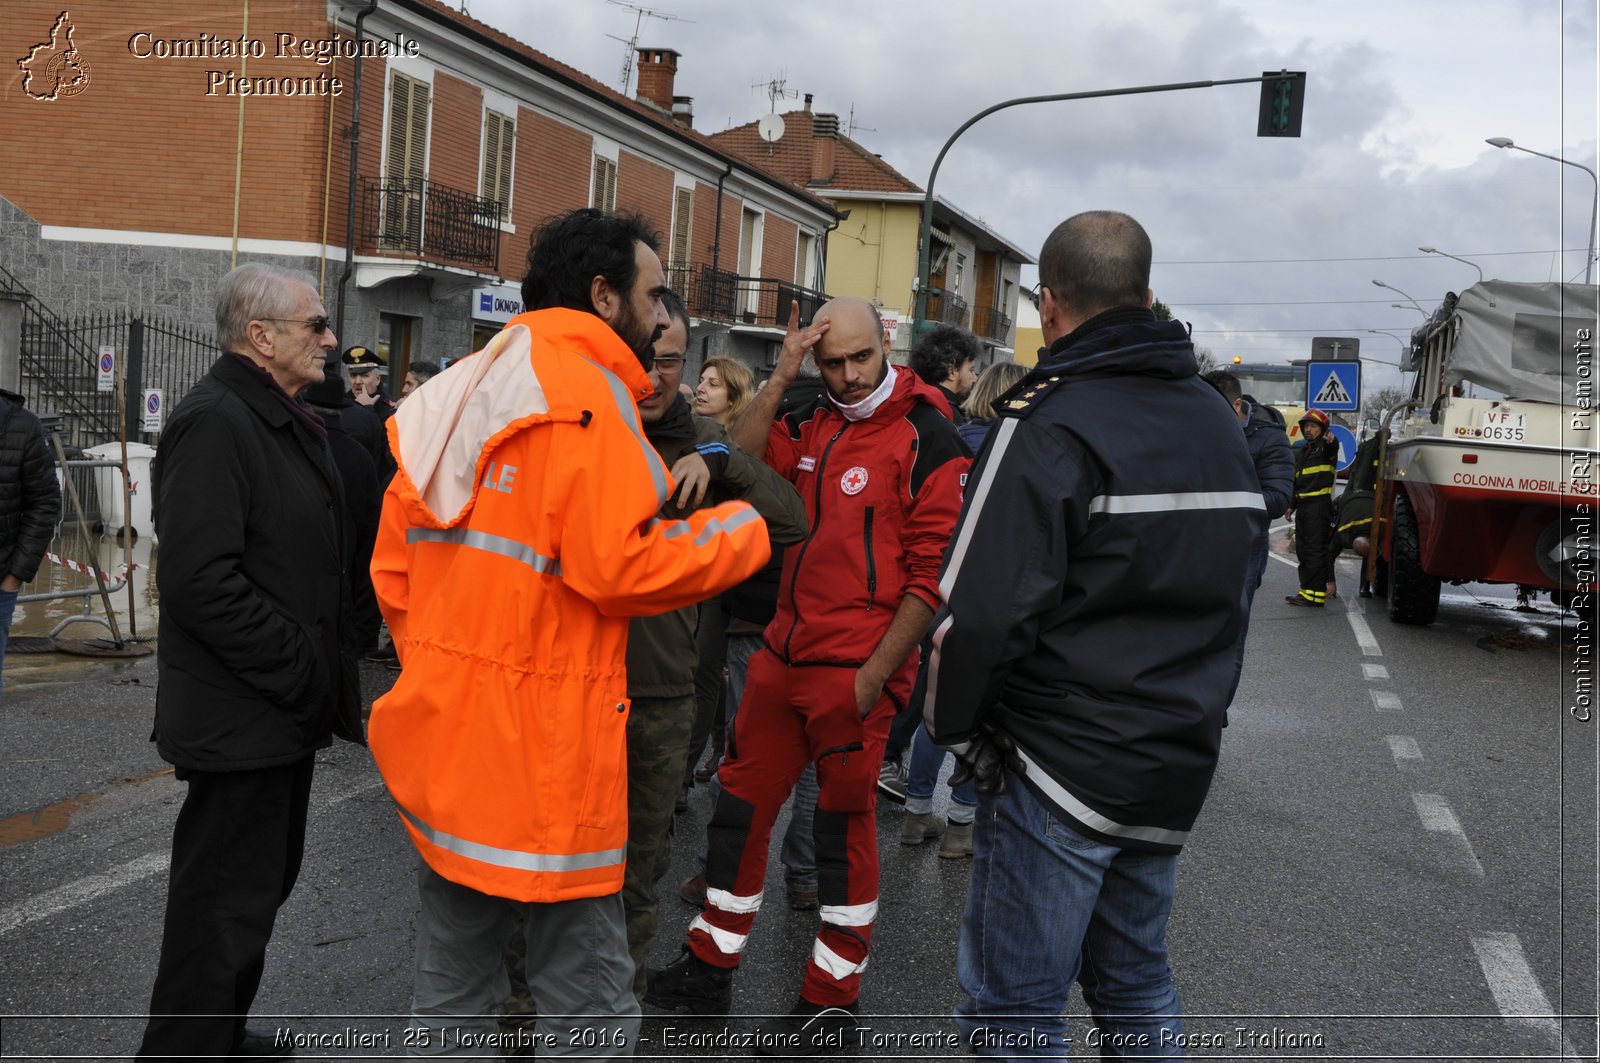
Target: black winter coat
[255,664]
[30,496]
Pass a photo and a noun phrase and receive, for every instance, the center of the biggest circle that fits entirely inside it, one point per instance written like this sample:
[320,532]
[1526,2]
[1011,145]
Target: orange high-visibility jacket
[517,538]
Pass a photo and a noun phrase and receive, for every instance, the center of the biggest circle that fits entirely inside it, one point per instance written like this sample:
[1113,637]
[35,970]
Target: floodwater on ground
[75,609]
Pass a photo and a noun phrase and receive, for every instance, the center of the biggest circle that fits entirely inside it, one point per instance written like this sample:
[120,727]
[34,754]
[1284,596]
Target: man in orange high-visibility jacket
[518,537]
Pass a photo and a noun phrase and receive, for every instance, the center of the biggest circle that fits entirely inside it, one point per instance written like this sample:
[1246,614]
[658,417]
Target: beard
[638,335]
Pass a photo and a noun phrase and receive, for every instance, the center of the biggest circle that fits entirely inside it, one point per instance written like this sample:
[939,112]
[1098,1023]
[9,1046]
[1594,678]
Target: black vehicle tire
[1413,594]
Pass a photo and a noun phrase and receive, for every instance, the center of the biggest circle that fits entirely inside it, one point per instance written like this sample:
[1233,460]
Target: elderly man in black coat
[30,503]
[256,666]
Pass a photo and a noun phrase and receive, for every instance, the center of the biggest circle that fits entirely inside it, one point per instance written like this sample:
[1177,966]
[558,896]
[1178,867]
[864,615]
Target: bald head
[852,356]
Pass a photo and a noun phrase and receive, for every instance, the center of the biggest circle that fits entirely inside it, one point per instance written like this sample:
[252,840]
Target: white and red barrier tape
[121,576]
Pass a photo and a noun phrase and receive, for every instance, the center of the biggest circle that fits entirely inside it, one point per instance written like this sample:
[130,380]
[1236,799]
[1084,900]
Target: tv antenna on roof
[641,13]
[850,129]
[777,89]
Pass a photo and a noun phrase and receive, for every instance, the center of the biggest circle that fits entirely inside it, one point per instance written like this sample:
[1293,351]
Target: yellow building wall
[873,254]
[1029,340]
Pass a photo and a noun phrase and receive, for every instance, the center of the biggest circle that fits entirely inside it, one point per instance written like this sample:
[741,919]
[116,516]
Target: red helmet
[1316,416]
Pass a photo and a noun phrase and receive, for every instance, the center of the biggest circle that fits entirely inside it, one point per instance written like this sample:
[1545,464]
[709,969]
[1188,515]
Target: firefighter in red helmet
[1312,509]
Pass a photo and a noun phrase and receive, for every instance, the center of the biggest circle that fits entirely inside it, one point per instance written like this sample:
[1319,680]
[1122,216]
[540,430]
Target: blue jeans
[8,609]
[1253,572]
[1048,906]
[927,760]
[799,852]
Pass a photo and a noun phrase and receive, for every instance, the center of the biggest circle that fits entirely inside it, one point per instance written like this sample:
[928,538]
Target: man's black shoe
[380,654]
[690,984]
[1295,599]
[810,1030]
[258,1045]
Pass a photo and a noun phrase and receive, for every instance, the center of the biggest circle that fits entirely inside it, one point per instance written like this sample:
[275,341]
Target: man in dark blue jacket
[1091,605]
[30,503]
[1269,447]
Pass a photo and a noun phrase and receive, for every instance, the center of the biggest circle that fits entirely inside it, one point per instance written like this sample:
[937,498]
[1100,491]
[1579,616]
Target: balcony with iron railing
[993,324]
[716,295]
[946,307]
[430,221]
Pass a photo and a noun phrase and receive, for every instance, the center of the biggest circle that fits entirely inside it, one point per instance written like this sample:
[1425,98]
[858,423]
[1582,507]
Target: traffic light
[1283,98]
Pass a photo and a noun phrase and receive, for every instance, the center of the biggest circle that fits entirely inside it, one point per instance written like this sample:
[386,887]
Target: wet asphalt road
[1397,859]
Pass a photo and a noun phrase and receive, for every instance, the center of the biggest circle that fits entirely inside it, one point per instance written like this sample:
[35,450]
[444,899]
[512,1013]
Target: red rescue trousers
[792,716]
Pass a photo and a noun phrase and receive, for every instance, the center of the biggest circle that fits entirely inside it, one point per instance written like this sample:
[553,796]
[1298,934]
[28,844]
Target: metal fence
[715,295]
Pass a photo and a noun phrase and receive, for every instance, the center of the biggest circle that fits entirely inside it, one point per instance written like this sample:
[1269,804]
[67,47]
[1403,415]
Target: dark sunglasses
[318,324]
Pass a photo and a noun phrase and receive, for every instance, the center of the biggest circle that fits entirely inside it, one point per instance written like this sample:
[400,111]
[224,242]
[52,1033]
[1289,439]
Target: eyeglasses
[318,324]
[669,364]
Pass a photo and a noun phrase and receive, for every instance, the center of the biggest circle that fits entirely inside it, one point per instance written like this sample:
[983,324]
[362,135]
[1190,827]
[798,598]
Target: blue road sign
[1347,445]
[1333,385]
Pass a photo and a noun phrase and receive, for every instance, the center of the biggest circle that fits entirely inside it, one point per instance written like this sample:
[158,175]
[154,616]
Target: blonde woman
[726,388]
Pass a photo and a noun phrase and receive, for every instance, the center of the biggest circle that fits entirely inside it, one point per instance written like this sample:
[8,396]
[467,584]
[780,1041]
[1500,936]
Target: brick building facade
[163,144]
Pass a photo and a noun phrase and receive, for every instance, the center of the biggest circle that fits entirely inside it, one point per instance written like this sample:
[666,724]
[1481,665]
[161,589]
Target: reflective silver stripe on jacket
[493,544]
[714,527]
[512,858]
[1171,502]
[1088,816]
[630,417]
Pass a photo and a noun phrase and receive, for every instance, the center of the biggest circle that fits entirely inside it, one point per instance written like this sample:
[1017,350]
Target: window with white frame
[603,192]
[679,251]
[406,167]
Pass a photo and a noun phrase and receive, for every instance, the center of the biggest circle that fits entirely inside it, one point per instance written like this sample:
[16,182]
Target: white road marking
[1516,991]
[91,887]
[1358,624]
[1404,748]
[80,891]
[1374,671]
[1439,819]
[1385,700]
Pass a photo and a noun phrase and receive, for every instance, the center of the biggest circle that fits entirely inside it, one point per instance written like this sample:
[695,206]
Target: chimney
[657,69]
[824,145]
[683,111]
[808,103]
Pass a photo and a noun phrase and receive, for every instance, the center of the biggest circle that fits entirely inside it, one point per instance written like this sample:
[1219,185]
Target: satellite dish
[770,127]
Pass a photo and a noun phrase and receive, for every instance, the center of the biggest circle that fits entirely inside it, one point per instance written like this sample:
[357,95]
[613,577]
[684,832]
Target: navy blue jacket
[1091,591]
[1273,458]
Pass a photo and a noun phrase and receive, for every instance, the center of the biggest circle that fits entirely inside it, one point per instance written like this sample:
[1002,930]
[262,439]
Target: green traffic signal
[1283,98]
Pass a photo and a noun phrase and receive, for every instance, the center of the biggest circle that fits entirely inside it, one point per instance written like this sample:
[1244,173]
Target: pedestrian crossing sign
[1333,385]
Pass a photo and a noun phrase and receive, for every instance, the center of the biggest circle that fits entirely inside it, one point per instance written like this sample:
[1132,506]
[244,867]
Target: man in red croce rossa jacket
[880,467]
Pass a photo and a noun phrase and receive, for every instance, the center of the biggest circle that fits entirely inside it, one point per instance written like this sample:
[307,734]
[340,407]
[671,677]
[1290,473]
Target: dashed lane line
[1438,818]
[1385,700]
[1516,991]
[1373,671]
[1404,749]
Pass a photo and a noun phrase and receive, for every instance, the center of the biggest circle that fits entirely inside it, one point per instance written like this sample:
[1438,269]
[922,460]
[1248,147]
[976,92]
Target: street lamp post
[1392,288]
[1594,204]
[925,252]
[1403,306]
[1405,344]
[1458,258]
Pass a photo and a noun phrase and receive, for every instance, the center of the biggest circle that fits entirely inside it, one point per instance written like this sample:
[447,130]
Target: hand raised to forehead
[797,342]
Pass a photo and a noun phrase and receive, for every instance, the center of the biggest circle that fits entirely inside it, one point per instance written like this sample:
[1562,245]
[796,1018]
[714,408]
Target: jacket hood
[1127,340]
[1263,416]
[442,434]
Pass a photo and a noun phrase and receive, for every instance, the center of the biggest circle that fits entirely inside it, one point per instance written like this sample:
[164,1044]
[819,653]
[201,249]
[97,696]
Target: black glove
[985,761]
[715,456]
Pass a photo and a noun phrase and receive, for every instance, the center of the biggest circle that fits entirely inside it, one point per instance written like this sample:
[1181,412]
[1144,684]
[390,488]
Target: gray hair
[255,291]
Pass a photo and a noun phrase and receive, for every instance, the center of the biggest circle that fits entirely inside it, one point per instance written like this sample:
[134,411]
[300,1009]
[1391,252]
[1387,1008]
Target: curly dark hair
[570,250]
[943,349]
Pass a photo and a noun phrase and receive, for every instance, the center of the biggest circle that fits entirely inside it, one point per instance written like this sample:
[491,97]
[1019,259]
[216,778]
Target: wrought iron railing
[993,324]
[431,221]
[716,295]
[60,366]
[946,307]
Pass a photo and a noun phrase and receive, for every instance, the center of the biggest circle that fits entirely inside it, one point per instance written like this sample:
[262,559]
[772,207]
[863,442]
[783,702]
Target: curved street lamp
[1392,288]
[1458,258]
[1594,204]
[1405,345]
[1403,306]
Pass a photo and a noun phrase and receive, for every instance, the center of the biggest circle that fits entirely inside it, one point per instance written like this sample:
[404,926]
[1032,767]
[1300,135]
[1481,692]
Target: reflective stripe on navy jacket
[1092,591]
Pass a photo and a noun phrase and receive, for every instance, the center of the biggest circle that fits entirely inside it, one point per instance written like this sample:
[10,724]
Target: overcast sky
[1259,243]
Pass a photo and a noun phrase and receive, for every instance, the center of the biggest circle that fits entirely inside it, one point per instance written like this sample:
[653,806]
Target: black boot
[810,1030]
[690,984]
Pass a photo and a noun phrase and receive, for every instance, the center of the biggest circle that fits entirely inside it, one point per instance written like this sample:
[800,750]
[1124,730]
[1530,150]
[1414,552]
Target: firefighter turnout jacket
[518,536]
